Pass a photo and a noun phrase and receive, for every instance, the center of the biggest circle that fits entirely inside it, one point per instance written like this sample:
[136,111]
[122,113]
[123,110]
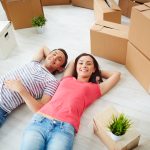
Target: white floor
[69,27]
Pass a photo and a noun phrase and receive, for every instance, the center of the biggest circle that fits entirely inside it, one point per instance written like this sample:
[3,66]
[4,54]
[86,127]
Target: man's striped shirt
[36,79]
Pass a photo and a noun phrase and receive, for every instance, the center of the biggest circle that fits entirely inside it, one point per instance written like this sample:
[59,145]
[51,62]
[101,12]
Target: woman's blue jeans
[47,134]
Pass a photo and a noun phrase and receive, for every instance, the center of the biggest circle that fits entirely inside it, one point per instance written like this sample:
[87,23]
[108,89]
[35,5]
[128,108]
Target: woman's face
[85,67]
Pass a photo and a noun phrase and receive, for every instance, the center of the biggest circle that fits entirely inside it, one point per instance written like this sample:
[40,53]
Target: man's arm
[41,54]
[32,103]
[69,70]
[111,79]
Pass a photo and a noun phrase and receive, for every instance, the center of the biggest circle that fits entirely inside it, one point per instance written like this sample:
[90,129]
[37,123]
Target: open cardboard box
[107,10]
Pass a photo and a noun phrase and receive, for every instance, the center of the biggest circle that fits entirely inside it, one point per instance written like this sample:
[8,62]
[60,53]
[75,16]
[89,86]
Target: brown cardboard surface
[83,3]
[139,66]
[129,141]
[142,1]
[126,6]
[109,40]
[55,2]
[22,12]
[103,12]
[139,32]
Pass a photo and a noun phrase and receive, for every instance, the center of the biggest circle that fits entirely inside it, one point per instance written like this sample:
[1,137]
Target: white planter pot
[40,30]
[115,137]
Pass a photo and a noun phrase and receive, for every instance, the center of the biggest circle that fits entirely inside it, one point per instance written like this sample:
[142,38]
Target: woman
[55,124]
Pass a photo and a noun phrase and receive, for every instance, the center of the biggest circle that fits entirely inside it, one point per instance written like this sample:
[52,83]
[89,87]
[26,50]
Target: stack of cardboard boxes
[108,37]
[110,41]
[138,50]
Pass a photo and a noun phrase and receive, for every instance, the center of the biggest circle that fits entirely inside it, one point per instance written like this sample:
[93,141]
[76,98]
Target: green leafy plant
[38,21]
[119,124]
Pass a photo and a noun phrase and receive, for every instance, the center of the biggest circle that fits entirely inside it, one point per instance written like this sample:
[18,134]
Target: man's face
[55,60]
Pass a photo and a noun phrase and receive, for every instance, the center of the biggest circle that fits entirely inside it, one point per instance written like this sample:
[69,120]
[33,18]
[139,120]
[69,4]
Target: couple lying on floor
[58,105]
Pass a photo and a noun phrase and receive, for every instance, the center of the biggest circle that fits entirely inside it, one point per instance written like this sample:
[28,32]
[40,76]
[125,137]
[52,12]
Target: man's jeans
[47,134]
[3,116]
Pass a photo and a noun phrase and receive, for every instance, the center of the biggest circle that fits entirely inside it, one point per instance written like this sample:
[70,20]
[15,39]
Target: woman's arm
[111,79]
[41,54]
[69,70]
[32,103]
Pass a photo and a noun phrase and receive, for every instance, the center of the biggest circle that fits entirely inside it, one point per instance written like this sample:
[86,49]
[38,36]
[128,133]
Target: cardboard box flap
[101,119]
[112,4]
[96,27]
[111,25]
[143,7]
[112,29]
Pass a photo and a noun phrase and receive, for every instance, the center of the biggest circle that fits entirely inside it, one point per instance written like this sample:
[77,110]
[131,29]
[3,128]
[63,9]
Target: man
[34,83]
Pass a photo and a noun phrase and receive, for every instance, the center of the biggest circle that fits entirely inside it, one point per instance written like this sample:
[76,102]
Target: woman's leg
[3,116]
[32,140]
[34,135]
[62,137]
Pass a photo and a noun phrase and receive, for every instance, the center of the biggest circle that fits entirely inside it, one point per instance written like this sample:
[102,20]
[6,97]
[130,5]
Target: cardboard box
[22,12]
[139,66]
[126,6]
[109,40]
[7,39]
[107,11]
[83,3]
[139,32]
[55,2]
[130,139]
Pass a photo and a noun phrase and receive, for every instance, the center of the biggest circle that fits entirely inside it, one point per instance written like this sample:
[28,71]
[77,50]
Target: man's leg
[3,116]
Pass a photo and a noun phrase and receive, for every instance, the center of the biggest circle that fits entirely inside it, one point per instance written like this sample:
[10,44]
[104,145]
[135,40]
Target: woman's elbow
[118,75]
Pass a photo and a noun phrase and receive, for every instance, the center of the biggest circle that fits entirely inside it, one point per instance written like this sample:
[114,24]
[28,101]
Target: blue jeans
[3,116]
[47,134]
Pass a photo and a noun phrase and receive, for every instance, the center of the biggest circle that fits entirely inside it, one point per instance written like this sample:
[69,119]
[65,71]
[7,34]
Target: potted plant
[39,23]
[118,126]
